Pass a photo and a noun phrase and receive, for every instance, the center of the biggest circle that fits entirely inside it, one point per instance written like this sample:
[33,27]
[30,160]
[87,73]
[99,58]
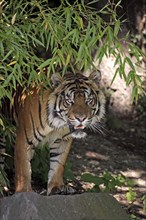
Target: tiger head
[77,102]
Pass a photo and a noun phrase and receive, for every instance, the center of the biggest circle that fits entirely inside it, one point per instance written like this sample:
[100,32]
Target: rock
[87,206]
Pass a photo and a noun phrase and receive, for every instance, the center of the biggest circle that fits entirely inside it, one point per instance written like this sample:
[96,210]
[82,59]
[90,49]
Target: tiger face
[77,102]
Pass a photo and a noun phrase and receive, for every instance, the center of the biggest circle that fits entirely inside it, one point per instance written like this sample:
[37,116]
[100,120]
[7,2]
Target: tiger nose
[80,118]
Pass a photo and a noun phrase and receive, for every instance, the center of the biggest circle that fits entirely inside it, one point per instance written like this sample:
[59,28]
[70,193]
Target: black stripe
[28,141]
[16,103]
[58,103]
[54,112]
[99,105]
[48,113]
[34,132]
[55,104]
[73,86]
[15,109]
[57,141]
[56,161]
[69,85]
[43,136]
[54,154]
[57,146]
[51,169]
[93,109]
[40,115]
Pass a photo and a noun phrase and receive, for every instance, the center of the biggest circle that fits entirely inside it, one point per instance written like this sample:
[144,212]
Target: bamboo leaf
[116,28]
[13,19]
[117,70]
[7,55]
[70,32]
[68,58]
[44,64]
[128,60]
[12,63]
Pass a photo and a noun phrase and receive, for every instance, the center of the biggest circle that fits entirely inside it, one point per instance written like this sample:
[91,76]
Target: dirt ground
[122,150]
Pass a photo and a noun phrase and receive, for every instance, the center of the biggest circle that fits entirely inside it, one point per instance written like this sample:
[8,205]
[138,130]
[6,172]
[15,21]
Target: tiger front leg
[23,156]
[58,155]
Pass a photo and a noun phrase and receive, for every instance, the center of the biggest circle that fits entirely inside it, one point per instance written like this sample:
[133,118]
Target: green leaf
[7,55]
[44,64]
[144,203]
[92,179]
[134,93]
[116,28]
[35,41]
[68,14]
[131,195]
[117,71]
[128,60]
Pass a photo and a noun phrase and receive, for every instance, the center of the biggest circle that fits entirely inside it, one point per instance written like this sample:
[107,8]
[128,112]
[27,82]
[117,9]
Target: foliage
[4,182]
[144,203]
[133,217]
[7,130]
[68,174]
[131,195]
[7,135]
[108,181]
[40,164]
[69,33]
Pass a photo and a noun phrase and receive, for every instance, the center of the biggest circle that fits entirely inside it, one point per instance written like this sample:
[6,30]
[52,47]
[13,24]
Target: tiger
[56,115]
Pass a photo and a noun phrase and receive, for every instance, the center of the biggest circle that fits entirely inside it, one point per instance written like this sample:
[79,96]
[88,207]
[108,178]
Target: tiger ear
[95,76]
[56,79]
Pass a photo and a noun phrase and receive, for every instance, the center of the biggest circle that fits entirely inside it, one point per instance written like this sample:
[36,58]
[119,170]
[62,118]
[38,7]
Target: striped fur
[55,116]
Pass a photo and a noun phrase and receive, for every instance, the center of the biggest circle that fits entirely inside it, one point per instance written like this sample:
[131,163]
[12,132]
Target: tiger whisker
[97,127]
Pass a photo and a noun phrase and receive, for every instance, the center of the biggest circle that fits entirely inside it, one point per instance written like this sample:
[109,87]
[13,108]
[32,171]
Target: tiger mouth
[79,127]
[76,128]
[77,131]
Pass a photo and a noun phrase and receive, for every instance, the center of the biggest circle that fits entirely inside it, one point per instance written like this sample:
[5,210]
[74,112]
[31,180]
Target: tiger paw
[62,190]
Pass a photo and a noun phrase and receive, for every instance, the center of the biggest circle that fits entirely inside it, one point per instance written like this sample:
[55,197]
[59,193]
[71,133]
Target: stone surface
[87,206]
